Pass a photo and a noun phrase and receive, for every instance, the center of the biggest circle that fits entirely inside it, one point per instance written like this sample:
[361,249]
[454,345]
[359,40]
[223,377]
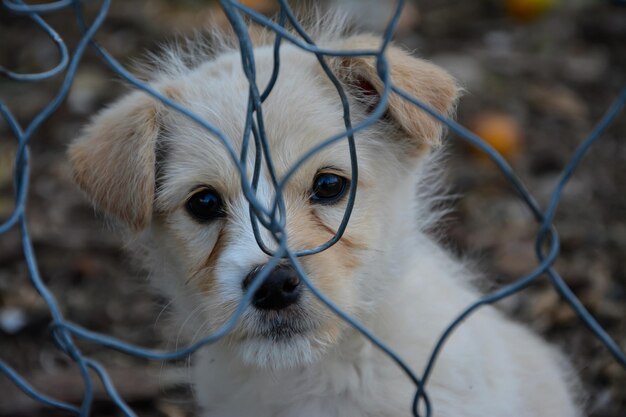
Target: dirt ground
[550,77]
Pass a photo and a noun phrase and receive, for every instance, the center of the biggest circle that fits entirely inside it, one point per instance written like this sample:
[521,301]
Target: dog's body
[290,356]
[490,367]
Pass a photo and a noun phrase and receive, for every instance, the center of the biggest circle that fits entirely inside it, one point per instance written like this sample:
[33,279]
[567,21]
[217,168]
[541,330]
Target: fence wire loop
[272,219]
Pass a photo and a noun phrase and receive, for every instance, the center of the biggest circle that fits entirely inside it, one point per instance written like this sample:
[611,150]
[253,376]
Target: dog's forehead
[302,110]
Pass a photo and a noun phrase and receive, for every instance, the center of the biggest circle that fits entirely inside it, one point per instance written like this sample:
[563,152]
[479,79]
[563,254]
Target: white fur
[398,282]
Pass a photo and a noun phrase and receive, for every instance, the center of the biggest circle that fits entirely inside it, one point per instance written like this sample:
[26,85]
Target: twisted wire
[271,219]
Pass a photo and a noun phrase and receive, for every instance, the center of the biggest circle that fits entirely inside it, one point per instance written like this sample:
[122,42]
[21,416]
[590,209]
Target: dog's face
[171,180]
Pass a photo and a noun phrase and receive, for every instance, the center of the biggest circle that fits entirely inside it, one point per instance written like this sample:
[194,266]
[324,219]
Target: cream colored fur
[139,162]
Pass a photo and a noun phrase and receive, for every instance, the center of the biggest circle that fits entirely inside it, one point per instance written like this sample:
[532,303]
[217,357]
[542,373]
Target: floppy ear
[421,79]
[113,161]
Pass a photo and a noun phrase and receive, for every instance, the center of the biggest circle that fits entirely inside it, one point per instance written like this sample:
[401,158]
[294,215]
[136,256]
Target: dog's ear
[113,161]
[420,78]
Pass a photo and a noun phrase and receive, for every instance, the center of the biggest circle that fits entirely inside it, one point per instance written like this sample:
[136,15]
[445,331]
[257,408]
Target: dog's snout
[280,289]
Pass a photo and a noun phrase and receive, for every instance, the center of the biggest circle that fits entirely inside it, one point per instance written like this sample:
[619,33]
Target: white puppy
[174,186]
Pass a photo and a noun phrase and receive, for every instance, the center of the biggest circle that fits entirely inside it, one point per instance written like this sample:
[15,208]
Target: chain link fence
[272,221]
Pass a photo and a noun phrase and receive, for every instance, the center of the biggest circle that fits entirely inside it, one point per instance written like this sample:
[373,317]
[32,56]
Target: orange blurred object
[527,10]
[499,130]
[263,6]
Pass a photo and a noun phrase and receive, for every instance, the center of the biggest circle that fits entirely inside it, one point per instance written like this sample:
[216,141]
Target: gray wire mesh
[65,333]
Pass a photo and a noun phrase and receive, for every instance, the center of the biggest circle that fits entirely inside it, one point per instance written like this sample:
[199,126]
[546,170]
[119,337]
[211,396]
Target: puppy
[174,187]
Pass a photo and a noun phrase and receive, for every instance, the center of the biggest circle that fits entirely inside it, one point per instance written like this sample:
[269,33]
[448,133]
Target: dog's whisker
[165,307]
[197,310]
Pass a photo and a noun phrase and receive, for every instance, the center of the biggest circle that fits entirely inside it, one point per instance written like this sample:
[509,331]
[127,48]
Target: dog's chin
[282,342]
[282,352]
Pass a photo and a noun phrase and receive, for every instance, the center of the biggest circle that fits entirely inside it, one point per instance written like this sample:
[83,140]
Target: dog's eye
[205,205]
[328,188]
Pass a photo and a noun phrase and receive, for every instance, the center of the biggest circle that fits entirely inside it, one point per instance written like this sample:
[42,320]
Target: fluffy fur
[139,162]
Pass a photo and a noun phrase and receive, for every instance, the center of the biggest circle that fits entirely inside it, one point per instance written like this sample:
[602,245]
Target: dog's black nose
[280,289]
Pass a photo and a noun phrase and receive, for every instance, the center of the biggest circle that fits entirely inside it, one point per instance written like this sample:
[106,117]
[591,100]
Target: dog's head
[174,183]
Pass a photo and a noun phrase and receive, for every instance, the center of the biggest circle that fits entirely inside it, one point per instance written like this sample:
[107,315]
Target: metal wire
[272,219]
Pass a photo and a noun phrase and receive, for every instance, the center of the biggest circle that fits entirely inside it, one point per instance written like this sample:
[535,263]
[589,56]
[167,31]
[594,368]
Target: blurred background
[537,73]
